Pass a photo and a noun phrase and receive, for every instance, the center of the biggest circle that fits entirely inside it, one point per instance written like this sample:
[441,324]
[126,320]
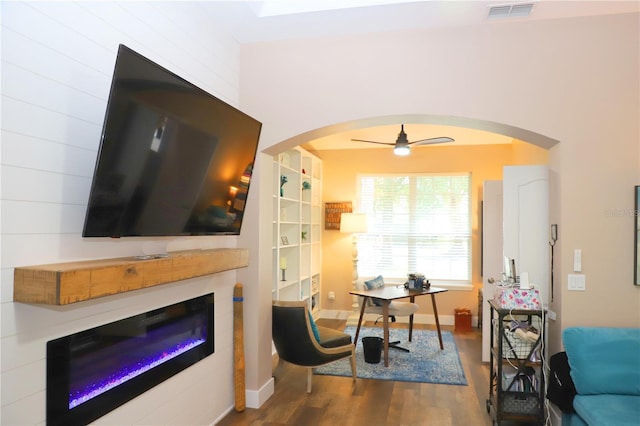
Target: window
[417,223]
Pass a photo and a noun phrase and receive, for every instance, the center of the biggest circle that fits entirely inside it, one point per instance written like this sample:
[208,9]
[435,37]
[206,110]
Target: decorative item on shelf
[306,185]
[284,240]
[283,267]
[303,235]
[304,172]
[283,180]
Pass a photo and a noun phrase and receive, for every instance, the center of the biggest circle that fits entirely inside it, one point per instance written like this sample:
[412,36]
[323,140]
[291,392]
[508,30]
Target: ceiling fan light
[402,150]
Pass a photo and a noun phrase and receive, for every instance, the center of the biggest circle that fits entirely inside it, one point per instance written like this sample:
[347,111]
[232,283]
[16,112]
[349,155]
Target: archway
[260,271]
[524,135]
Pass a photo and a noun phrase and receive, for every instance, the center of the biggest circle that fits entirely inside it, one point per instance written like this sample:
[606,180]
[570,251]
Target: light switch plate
[576,282]
[577,260]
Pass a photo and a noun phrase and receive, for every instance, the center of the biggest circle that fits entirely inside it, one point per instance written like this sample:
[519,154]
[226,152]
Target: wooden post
[238,348]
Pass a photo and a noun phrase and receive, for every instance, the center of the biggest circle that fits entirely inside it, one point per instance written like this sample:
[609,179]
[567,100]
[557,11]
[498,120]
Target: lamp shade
[353,223]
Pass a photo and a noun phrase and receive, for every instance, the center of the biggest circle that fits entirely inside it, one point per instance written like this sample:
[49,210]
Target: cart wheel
[488,406]
[495,423]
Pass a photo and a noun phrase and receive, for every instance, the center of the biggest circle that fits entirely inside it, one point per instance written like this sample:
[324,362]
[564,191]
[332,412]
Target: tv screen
[173,159]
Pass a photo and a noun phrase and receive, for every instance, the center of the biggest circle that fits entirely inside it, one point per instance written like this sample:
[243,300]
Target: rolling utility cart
[516,385]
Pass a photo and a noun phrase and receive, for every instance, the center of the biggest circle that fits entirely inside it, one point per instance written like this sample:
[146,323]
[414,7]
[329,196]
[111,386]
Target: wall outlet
[551,315]
[332,295]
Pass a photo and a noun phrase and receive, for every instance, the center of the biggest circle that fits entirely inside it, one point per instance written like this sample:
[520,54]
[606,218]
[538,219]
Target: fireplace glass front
[95,371]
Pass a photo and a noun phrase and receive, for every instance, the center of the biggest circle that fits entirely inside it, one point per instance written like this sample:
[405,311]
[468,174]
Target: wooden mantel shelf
[65,283]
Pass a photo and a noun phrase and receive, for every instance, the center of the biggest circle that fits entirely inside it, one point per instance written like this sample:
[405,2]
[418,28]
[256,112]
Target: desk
[388,293]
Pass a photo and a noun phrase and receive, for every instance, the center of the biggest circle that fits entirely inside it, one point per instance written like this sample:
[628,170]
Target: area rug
[426,363]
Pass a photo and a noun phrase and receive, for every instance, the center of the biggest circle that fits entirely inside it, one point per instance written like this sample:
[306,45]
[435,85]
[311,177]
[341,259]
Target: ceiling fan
[402,144]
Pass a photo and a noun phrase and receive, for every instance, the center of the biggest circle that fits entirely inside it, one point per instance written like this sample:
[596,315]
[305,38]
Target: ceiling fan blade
[380,143]
[431,141]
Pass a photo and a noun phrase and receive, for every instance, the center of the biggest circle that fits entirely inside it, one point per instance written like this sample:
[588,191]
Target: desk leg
[435,313]
[412,299]
[365,300]
[385,320]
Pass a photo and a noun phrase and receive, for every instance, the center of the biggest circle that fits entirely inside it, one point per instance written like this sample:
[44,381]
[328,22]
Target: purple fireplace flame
[93,372]
[79,396]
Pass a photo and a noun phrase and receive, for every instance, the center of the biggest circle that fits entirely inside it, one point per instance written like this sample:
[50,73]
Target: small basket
[515,347]
[520,403]
[462,319]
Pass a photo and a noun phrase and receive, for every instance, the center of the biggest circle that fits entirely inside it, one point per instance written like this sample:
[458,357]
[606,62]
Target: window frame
[452,283]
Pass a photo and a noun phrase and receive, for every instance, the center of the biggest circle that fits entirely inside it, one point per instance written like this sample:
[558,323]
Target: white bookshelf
[297,227]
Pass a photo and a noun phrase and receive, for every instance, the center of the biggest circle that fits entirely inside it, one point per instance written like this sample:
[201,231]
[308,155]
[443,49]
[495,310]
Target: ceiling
[272,20]
[415,132]
[247,24]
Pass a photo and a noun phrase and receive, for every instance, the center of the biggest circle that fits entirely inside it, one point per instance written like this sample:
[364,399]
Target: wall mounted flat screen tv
[173,159]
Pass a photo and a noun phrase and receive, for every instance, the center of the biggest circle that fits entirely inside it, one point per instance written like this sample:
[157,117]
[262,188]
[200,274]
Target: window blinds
[417,223]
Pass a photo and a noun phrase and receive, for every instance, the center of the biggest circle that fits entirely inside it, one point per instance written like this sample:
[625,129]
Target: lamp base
[283,277]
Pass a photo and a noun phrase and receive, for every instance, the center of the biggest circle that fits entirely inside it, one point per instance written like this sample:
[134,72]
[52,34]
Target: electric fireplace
[95,371]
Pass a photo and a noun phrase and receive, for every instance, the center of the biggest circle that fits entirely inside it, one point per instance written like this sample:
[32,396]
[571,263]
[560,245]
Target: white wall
[573,80]
[57,62]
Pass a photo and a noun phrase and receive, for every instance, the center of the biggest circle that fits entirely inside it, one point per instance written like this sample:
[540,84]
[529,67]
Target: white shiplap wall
[57,61]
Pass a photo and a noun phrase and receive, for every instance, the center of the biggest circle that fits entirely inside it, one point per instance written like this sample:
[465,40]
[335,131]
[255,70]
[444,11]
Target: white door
[515,225]
[526,223]
[491,252]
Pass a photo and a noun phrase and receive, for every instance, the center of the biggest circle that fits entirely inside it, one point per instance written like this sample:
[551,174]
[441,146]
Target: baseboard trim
[222,416]
[255,399]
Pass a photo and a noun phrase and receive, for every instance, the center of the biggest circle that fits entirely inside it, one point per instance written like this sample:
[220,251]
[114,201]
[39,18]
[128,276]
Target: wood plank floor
[338,401]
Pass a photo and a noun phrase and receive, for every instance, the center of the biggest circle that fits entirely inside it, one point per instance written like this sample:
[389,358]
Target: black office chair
[296,343]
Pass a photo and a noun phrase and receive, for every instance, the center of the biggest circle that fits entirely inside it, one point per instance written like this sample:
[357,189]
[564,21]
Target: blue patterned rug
[426,363]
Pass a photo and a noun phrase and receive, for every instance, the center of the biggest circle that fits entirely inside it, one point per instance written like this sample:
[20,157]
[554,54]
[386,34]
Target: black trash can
[372,349]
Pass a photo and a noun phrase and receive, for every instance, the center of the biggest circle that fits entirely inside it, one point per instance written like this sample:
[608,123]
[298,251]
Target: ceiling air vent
[510,10]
